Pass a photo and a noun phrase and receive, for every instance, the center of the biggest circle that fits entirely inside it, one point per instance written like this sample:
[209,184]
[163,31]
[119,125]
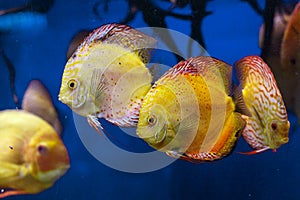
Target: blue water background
[38,51]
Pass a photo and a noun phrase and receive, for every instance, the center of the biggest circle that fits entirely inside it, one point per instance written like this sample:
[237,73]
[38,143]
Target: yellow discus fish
[32,155]
[188,112]
[268,126]
[106,77]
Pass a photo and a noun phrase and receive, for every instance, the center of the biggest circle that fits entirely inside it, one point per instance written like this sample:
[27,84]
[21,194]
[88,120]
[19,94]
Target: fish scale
[264,101]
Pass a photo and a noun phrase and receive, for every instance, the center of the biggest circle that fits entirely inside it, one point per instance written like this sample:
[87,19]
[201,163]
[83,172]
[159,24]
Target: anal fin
[7,193]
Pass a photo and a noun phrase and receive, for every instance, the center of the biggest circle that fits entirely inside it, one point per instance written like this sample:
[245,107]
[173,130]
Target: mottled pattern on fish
[188,112]
[110,75]
[268,126]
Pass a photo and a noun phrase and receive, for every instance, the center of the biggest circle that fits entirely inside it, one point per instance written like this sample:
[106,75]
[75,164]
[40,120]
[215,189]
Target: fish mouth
[72,100]
[156,138]
[63,99]
[275,141]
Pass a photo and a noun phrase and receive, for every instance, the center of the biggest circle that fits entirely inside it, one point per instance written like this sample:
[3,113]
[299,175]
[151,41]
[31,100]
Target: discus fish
[106,77]
[268,126]
[32,155]
[188,112]
[290,46]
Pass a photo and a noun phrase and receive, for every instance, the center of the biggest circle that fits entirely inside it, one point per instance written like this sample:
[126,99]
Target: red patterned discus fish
[268,126]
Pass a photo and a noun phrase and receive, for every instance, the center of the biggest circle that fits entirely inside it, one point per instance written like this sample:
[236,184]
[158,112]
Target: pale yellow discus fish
[106,77]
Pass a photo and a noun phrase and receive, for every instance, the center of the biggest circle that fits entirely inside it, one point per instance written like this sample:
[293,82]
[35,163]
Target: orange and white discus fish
[268,126]
[189,113]
[106,77]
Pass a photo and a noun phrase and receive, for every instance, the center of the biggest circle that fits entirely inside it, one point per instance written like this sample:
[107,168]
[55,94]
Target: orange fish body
[32,155]
[268,126]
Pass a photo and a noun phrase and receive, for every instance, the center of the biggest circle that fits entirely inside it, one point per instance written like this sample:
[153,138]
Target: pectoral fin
[188,123]
[98,84]
[239,100]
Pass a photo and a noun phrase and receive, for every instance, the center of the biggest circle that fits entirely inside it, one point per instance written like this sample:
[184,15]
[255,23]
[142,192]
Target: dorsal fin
[124,36]
[37,100]
[210,68]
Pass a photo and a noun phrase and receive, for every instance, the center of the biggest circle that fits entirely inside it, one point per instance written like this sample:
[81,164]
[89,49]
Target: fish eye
[274,126]
[42,149]
[151,120]
[72,84]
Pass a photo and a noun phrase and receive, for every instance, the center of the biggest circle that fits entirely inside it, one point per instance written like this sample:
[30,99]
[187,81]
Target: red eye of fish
[42,149]
[274,126]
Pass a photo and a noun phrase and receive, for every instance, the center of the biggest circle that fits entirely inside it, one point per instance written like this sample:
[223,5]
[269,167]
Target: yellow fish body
[268,126]
[188,112]
[32,155]
[106,77]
